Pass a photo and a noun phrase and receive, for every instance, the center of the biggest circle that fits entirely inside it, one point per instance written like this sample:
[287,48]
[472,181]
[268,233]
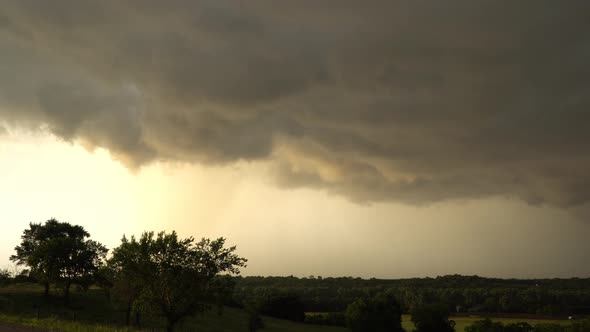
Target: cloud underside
[406,101]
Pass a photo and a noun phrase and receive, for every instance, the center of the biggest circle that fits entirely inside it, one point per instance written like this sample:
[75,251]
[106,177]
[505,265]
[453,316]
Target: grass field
[462,322]
[91,311]
[231,320]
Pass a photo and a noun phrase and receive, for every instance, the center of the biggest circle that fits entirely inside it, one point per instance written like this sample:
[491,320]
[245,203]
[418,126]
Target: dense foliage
[60,253]
[473,294]
[172,276]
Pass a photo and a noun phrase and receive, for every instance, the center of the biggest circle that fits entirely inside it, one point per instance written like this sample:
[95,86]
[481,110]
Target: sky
[380,139]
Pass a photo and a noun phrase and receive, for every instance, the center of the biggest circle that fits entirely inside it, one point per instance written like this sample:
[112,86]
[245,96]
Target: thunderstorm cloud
[404,101]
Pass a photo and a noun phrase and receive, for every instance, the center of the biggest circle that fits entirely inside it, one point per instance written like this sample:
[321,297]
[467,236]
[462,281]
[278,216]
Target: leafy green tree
[174,276]
[58,252]
[432,318]
[80,260]
[127,272]
[379,314]
[35,251]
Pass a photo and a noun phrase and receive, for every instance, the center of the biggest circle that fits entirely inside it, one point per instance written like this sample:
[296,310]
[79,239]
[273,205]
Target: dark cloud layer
[409,101]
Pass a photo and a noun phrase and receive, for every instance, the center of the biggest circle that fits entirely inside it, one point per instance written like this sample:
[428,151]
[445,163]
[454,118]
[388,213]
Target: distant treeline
[462,294]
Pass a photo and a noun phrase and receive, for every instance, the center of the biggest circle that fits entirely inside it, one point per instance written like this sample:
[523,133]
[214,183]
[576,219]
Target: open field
[462,322]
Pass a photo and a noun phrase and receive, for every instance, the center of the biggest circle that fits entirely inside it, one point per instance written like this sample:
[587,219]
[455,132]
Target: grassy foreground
[54,324]
[231,320]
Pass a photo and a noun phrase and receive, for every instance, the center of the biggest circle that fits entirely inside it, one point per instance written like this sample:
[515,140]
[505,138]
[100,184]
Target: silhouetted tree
[379,314]
[4,277]
[432,318]
[58,252]
[127,272]
[175,276]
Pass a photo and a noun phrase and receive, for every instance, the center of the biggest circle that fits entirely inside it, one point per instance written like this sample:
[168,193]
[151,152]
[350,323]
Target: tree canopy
[175,276]
[58,252]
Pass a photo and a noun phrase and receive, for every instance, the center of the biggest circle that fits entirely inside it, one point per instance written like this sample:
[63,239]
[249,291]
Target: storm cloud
[406,101]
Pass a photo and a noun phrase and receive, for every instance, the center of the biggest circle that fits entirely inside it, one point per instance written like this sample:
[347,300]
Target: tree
[58,252]
[127,271]
[5,277]
[379,314]
[175,276]
[432,318]
[80,260]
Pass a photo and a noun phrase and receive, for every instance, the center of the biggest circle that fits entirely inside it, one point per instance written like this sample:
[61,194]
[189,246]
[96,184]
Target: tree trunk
[46,291]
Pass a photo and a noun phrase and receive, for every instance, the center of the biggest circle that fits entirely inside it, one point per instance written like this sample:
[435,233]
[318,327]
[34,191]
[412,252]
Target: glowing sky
[299,231]
[387,139]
